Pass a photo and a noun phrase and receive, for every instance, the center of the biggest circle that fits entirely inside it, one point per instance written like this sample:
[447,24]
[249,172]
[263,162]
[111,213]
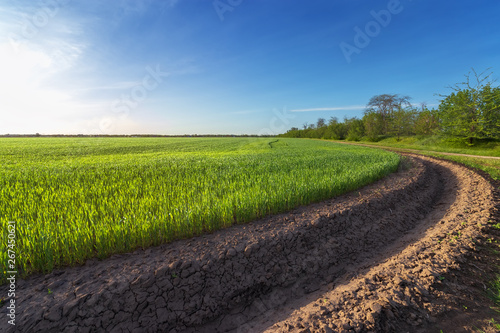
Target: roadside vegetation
[440,143]
[76,198]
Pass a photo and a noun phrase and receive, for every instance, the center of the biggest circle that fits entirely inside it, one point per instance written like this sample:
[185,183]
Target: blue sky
[228,66]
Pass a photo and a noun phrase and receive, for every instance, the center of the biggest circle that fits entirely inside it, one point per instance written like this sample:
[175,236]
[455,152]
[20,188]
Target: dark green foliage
[374,126]
[472,111]
[356,129]
[402,121]
[426,122]
[335,130]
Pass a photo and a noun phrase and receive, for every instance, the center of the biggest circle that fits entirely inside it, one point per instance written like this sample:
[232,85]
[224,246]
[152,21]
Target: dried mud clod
[373,260]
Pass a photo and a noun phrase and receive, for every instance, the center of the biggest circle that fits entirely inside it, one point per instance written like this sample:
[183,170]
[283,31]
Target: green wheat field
[72,199]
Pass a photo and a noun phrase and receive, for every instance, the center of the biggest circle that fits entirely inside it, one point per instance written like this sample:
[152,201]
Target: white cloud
[337,108]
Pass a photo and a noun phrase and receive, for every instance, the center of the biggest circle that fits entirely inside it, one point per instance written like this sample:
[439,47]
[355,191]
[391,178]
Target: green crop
[72,199]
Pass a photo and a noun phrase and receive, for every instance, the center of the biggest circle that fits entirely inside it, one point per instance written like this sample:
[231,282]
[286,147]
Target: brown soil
[406,254]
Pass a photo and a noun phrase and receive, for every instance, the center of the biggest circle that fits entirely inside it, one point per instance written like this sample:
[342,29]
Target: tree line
[471,111]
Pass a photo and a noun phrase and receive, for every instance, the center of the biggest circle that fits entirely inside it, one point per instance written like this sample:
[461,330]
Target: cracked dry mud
[372,260]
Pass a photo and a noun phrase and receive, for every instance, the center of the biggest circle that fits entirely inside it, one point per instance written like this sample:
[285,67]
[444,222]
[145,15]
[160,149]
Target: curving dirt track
[387,258]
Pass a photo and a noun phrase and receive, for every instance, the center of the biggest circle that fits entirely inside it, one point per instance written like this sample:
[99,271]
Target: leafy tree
[356,129]
[385,105]
[339,131]
[472,111]
[321,129]
[321,122]
[491,111]
[374,125]
[335,130]
[333,121]
[426,122]
[402,121]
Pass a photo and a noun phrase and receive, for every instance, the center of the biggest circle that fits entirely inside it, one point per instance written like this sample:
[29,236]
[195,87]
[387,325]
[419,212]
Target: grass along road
[417,151]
